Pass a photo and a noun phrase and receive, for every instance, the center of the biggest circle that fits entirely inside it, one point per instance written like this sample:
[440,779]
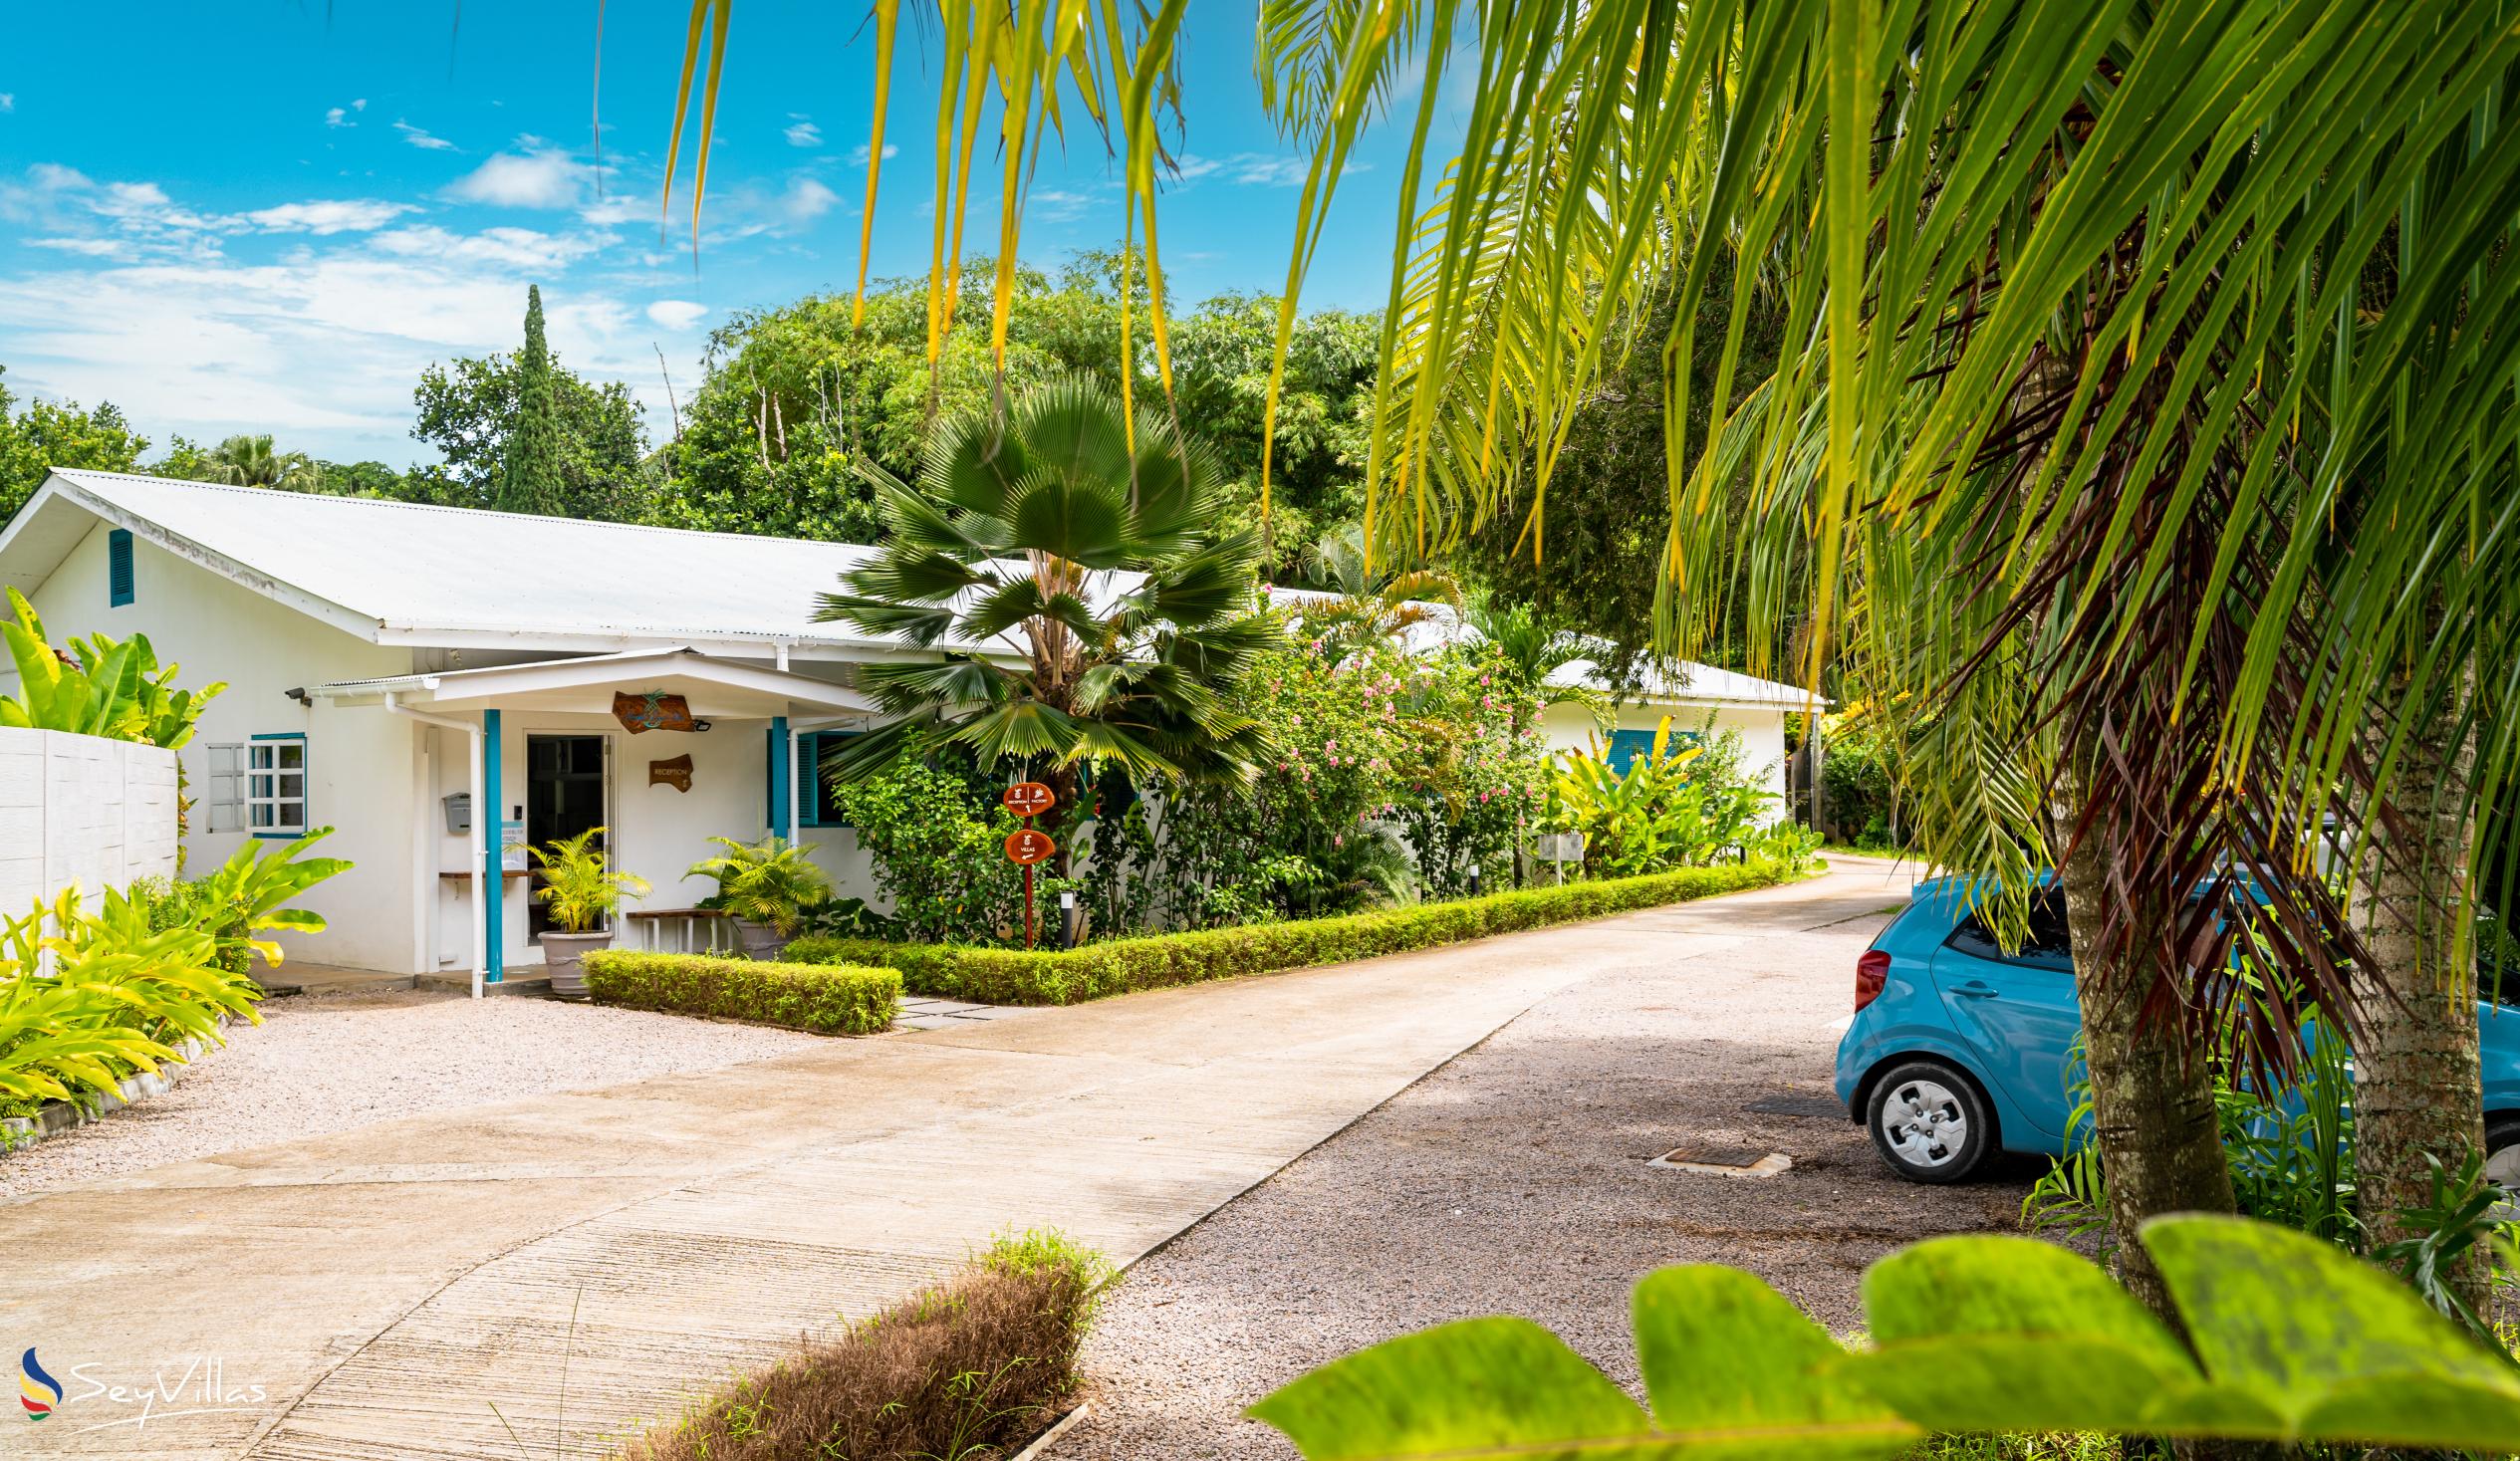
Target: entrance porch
[662,749]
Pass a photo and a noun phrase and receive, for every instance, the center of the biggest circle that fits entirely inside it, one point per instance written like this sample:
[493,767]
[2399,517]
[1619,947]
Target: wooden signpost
[1028,846]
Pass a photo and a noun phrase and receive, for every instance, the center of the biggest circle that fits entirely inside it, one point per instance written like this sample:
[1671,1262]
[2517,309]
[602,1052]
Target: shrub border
[1126,965]
[825,998]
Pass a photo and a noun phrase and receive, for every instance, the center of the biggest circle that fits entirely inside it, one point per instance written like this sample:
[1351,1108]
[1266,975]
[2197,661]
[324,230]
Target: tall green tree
[530,477]
[795,396]
[471,410]
[1055,575]
[48,435]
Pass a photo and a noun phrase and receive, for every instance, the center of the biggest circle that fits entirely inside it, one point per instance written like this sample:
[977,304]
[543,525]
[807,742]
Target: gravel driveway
[325,1063]
[1513,1180]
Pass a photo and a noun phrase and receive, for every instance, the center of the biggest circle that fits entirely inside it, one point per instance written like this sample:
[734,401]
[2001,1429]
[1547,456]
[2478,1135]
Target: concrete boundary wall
[83,809]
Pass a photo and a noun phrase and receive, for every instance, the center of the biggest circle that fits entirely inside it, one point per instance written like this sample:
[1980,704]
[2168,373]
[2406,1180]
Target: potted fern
[767,885]
[581,891]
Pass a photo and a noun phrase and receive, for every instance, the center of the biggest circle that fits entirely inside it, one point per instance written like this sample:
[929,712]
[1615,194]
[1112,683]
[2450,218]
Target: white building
[393,669]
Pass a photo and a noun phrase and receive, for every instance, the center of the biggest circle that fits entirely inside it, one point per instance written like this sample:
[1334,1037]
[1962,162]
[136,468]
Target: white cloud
[537,179]
[329,216]
[863,152]
[802,133]
[419,137]
[677,314]
[99,248]
[359,104]
[336,116]
[1254,169]
[507,248]
[322,346]
[806,200]
[8,100]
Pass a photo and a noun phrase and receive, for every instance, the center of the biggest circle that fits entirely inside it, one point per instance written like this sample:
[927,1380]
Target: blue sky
[271,216]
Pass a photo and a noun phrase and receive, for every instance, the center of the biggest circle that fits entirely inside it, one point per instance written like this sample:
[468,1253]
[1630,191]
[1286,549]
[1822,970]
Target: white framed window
[275,786]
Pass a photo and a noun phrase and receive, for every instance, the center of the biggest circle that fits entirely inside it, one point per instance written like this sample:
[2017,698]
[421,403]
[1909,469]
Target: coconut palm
[251,461]
[1055,574]
[2148,421]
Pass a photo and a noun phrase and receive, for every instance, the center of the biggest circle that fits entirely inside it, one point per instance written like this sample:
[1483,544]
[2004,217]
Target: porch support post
[494,887]
[782,772]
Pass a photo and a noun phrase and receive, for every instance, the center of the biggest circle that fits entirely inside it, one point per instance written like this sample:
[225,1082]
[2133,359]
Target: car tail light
[1872,972]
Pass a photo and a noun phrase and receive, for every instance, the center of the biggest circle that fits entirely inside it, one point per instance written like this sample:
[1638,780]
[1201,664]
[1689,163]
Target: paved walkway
[446,1285]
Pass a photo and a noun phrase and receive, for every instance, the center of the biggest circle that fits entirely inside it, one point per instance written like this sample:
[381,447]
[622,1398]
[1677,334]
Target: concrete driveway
[531,1278]
[1516,1180]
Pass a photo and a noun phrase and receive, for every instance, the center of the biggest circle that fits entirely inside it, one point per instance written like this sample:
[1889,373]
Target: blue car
[1958,1049]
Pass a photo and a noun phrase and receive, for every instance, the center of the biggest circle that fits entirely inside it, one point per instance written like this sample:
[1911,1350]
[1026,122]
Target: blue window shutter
[808,759]
[1626,746]
[118,551]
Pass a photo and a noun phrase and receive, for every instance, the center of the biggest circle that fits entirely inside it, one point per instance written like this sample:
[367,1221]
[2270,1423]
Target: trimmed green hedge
[1123,965]
[827,997]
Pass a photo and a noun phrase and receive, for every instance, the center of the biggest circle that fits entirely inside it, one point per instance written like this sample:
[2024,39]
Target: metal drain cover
[1789,1105]
[1723,1161]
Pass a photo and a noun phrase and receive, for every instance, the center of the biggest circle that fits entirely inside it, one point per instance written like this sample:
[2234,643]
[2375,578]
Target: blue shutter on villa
[815,803]
[1626,746]
[118,553]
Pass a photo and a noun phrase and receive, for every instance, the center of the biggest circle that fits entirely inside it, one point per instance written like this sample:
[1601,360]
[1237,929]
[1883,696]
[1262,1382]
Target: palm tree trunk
[2417,1091]
[2152,1099]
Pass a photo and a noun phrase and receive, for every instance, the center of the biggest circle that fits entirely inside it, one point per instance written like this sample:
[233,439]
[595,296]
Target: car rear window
[2047,946]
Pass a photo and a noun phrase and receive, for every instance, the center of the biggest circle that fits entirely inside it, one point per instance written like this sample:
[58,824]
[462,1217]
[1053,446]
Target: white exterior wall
[1571,727]
[362,764]
[81,810]
[656,832]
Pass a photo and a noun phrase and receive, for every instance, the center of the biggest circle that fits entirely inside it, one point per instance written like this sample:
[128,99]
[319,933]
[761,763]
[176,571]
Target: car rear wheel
[1929,1122]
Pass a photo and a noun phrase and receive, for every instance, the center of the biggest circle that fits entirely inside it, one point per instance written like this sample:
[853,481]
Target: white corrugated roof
[1666,683]
[411,569]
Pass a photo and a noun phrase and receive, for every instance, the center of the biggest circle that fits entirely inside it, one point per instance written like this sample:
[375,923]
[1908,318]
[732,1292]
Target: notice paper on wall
[511,845]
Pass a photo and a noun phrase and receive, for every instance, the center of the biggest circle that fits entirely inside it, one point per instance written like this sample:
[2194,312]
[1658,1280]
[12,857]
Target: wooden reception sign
[1027,798]
[675,773]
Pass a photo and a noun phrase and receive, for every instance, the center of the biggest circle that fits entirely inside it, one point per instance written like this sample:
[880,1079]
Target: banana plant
[111,687]
[2288,1341]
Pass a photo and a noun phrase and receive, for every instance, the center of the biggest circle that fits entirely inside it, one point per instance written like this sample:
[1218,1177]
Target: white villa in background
[395,669]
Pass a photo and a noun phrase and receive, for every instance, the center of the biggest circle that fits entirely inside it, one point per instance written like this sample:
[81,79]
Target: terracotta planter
[561,952]
[759,940]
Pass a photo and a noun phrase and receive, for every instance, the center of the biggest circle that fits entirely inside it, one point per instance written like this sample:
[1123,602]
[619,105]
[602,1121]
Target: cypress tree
[530,478]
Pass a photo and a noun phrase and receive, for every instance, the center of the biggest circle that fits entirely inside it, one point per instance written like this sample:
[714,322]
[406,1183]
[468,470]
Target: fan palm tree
[251,461]
[1054,572]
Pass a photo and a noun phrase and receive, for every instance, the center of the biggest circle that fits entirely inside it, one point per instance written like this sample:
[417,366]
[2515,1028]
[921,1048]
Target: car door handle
[1975,989]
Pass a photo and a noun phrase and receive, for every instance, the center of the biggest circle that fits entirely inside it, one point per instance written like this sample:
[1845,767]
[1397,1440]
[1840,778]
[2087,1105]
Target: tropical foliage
[2283,1338]
[1679,802]
[253,461]
[771,882]
[1073,539]
[579,884]
[108,687]
[935,839]
[88,997]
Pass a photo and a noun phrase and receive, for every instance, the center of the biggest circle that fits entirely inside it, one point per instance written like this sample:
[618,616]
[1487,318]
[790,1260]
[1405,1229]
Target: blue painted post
[782,769]
[494,887]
